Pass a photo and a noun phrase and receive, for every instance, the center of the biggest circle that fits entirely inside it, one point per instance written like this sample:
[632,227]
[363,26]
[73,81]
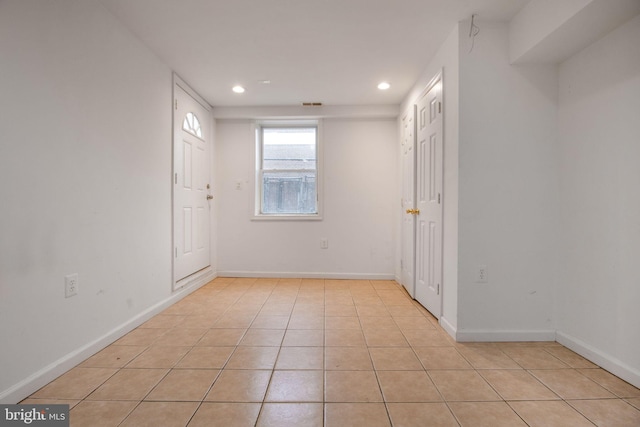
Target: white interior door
[191,210]
[408,201]
[429,167]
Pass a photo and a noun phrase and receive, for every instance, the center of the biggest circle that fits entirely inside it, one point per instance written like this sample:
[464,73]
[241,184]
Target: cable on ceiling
[474,30]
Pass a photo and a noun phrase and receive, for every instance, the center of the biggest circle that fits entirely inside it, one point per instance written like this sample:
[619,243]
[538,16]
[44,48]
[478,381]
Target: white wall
[508,193]
[599,135]
[446,61]
[359,205]
[85,161]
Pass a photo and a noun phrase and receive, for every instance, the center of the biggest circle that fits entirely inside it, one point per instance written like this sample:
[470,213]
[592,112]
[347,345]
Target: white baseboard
[306,275]
[504,336]
[600,358]
[448,327]
[44,376]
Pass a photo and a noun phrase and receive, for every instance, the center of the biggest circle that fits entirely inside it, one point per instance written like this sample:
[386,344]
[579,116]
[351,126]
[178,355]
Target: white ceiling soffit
[544,32]
[329,51]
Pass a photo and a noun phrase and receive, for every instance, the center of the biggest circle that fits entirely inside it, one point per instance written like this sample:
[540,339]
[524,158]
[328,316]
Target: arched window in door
[191,124]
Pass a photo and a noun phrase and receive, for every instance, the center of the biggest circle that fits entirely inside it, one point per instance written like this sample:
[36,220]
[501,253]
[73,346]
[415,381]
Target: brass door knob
[209,197]
[413,211]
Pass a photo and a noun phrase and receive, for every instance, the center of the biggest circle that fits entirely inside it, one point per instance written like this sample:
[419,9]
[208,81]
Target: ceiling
[329,51]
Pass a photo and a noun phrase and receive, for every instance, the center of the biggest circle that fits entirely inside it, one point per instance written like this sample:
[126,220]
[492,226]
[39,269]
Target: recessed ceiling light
[238,89]
[384,86]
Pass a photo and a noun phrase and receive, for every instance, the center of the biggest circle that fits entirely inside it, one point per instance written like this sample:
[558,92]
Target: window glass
[288,170]
[192,125]
[289,148]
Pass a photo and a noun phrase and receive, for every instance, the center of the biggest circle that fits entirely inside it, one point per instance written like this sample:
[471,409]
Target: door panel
[428,203]
[423,159]
[191,177]
[187,172]
[188,230]
[203,219]
[432,167]
[432,251]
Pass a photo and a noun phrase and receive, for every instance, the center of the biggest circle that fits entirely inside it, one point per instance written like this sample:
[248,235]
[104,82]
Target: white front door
[408,201]
[191,184]
[429,167]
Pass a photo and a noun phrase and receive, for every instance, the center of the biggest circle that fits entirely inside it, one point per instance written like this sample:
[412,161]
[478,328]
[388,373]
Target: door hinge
[176,104]
[176,252]
[438,198]
[439,107]
[438,288]
[175,178]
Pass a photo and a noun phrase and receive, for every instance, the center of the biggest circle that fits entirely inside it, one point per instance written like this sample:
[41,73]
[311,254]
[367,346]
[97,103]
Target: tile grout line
[275,362]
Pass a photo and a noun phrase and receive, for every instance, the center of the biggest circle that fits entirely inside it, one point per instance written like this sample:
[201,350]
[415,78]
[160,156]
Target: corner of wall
[603,359]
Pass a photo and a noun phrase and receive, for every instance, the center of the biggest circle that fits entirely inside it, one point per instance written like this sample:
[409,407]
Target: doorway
[423,199]
[191,185]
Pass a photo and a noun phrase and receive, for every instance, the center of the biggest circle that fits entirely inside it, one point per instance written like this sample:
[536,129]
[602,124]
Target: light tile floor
[334,353]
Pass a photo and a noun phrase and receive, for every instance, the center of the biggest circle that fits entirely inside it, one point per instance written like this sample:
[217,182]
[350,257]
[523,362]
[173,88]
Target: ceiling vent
[312,104]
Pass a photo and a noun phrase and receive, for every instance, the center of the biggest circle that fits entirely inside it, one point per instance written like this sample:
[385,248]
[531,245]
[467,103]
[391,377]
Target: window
[192,125]
[287,178]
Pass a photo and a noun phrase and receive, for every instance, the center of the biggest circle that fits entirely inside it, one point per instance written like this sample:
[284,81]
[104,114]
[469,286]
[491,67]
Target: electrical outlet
[324,243]
[481,274]
[71,285]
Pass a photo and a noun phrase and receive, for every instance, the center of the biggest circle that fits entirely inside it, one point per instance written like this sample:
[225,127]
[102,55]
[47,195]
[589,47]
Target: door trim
[202,276]
[437,78]
[177,80]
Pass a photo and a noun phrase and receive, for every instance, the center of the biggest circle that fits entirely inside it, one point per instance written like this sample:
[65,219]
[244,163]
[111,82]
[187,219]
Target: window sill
[285,217]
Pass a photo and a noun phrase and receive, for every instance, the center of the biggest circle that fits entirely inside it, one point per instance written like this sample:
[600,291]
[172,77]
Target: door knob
[413,211]
[209,197]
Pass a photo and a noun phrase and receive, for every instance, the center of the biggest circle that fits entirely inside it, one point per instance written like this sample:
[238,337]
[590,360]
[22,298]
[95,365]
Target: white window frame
[258,188]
